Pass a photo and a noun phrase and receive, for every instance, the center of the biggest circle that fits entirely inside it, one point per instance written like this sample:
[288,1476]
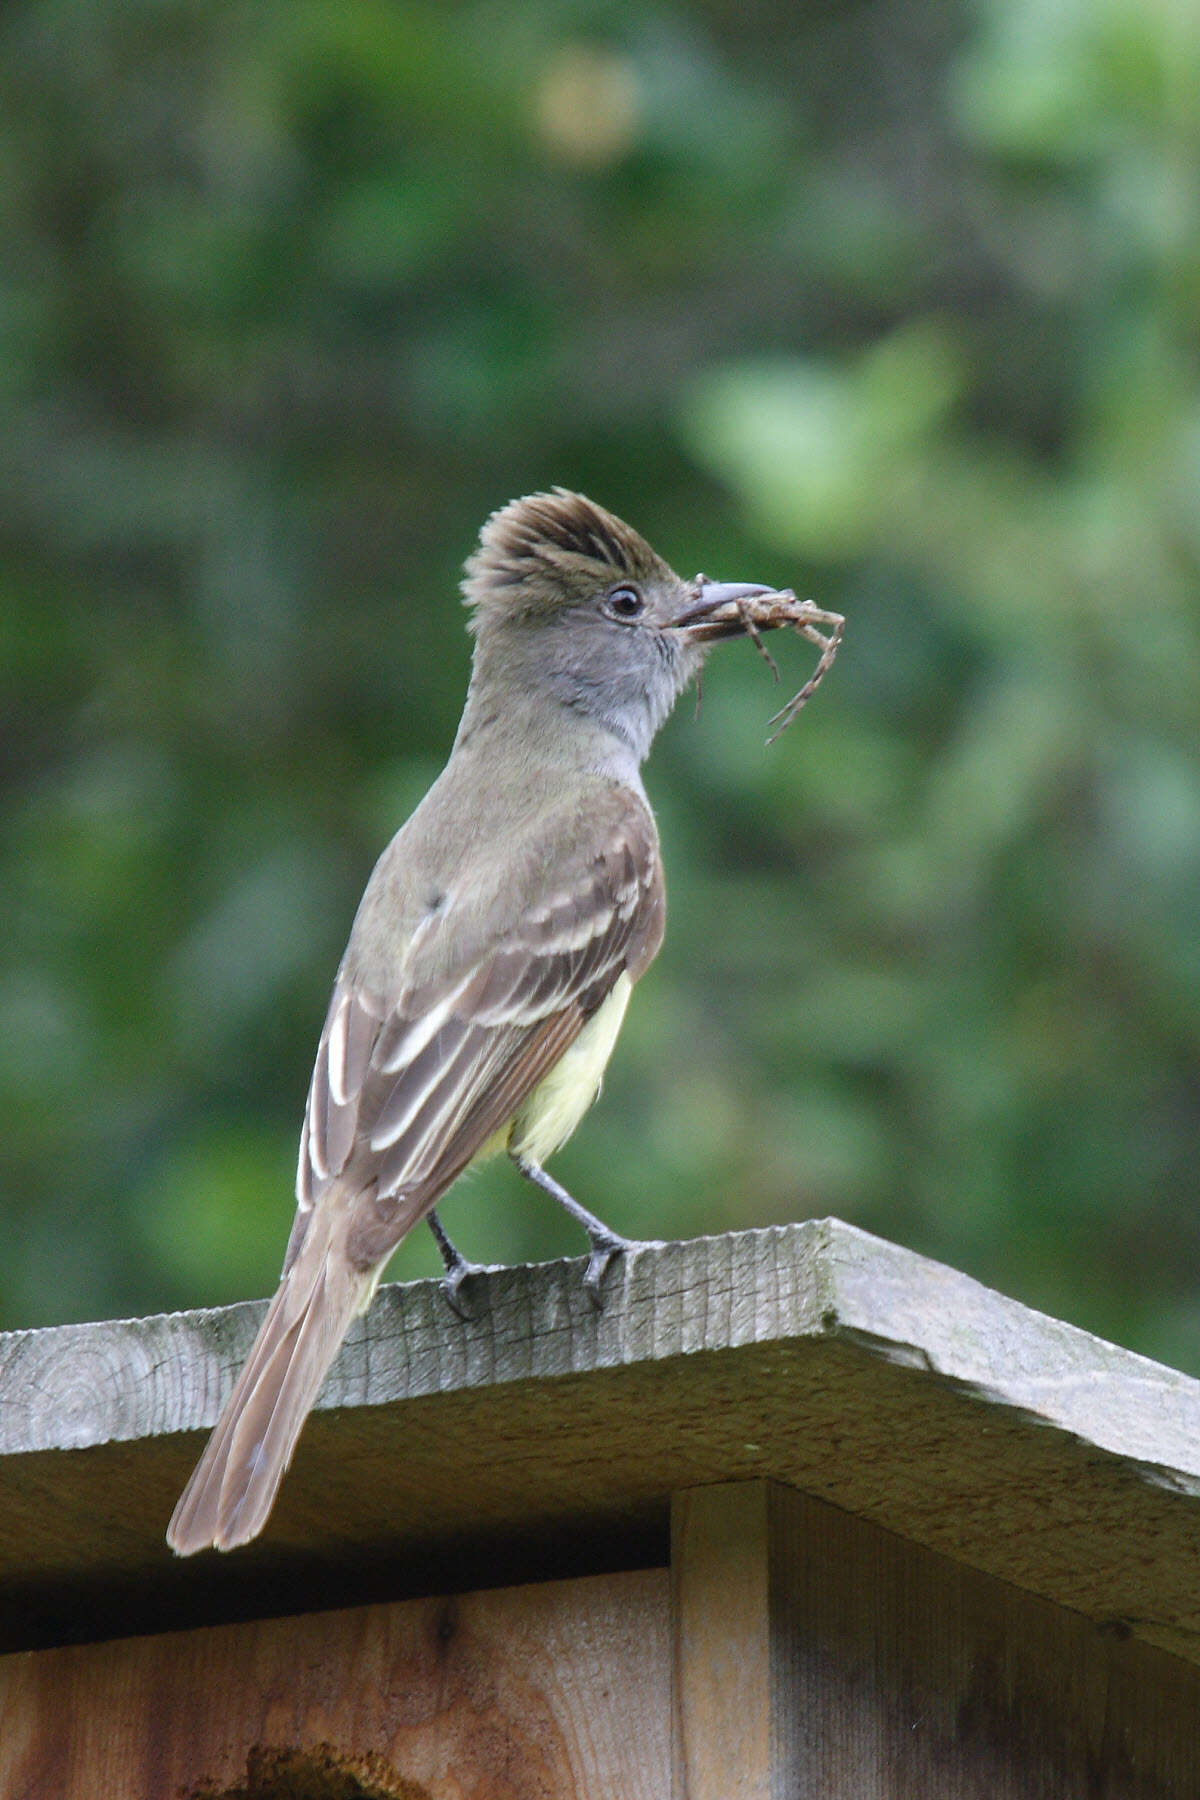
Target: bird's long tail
[233,1486]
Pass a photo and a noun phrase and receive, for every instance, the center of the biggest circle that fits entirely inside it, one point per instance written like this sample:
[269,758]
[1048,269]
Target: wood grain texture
[542,1438]
[721,1633]
[555,1692]
[906,1676]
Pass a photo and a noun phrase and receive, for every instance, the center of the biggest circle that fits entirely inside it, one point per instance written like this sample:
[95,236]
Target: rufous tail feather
[233,1486]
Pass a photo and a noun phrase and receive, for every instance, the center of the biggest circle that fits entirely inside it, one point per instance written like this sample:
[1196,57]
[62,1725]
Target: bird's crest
[530,549]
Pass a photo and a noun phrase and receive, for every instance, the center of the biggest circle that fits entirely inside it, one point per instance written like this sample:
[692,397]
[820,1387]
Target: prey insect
[750,627]
[753,614]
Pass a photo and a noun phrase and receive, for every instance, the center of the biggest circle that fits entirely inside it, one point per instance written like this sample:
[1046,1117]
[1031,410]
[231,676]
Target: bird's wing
[403,1095]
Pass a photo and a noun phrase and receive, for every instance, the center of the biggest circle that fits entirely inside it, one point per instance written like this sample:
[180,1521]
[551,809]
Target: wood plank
[895,1673]
[721,1629]
[556,1690]
[542,1439]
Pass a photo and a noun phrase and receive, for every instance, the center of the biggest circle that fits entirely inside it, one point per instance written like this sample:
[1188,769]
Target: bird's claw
[457,1269]
[451,1285]
[606,1247]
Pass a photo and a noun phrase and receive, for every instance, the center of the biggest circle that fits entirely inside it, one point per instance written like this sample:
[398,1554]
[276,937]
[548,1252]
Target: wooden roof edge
[77,1386]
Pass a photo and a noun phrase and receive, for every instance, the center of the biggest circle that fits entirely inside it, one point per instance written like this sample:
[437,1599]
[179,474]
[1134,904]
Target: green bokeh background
[897,303]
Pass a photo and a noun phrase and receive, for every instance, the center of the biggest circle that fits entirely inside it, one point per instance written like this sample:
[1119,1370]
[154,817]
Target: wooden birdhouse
[798,1516]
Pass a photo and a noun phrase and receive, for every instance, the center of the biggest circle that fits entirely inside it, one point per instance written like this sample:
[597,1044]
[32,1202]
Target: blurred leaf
[808,444]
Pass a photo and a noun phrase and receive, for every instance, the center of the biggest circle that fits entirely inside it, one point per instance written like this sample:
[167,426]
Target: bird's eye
[624,603]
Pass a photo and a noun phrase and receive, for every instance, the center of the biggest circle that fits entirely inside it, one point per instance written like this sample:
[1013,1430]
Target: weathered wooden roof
[541,1438]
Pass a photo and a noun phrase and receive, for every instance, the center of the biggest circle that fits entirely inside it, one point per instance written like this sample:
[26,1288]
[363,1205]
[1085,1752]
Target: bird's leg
[457,1267]
[605,1242]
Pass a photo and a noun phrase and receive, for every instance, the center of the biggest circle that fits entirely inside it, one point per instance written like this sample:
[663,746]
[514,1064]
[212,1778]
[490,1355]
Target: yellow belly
[561,1098]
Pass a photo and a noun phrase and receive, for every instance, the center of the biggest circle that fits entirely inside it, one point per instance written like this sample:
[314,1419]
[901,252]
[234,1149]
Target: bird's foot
[606,1243]
[451,1286]
[457,1267]
[606,1247]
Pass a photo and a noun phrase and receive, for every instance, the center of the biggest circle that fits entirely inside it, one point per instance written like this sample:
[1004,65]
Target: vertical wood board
[894,1673]
[720,1621]
[553,1692]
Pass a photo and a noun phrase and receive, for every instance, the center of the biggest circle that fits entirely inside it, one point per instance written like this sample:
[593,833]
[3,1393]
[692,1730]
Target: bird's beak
[700,620]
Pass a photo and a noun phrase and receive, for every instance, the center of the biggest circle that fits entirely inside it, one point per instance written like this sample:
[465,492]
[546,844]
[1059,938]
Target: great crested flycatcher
[491,959]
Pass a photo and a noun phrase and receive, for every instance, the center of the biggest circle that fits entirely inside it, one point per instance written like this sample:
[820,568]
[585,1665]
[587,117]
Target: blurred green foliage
[896,303]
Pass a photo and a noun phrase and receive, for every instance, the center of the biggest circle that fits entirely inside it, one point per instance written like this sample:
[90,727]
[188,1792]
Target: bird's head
[569,600]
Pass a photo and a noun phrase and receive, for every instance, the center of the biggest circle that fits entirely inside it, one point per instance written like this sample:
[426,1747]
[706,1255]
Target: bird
[491,958]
